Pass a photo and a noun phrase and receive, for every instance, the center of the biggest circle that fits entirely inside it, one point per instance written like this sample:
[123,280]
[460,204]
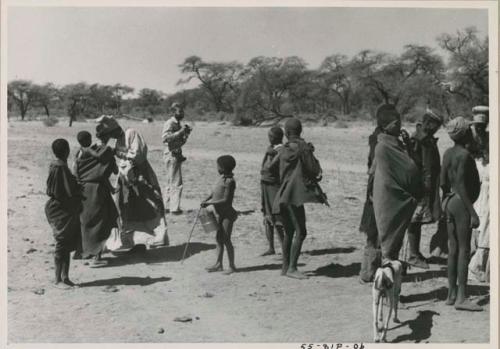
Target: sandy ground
[137,297]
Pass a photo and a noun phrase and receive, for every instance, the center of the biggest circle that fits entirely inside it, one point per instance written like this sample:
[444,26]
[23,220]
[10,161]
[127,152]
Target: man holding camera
[174,136]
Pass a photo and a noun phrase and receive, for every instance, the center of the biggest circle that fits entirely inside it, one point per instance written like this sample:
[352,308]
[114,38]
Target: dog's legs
[380,320]
[376,305]
[397,291]
[386,323]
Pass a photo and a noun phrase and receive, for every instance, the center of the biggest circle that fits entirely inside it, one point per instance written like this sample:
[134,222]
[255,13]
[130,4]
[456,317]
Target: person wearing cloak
[397,184]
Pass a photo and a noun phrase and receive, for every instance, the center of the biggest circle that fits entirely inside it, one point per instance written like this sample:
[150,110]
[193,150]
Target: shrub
[341,124]
[51,121]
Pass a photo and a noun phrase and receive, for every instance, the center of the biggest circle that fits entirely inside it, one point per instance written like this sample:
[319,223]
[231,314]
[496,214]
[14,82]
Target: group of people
[405,178]
[84,207]
[403,193]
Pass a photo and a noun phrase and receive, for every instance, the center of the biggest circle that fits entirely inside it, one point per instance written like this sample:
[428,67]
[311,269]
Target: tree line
[277,87]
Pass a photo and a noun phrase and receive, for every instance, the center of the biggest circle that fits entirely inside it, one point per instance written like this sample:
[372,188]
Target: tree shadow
[333,250]
[337,270]
[441,294]
[157,255]
[437,260]
[264,267]
[125,281]
[246,212]
[425,275]
[420,327]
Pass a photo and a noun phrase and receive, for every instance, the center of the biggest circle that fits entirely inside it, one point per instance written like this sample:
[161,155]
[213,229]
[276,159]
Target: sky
[142,47]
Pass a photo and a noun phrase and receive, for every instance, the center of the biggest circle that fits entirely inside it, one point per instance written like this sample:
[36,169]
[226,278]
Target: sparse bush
[341,124]
[51,121]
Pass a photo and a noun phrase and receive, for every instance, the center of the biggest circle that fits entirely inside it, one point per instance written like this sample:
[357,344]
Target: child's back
[460,169]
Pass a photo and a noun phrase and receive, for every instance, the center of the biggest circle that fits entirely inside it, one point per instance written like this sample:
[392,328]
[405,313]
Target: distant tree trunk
[70,120]
[23,109]
[46,107]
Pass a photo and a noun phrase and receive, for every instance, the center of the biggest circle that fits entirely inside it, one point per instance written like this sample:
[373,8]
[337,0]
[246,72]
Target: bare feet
[68,282]
[468,306]
[230,271]
[214,268]
[452,296]
[295,274]
[63,285]
[269,252]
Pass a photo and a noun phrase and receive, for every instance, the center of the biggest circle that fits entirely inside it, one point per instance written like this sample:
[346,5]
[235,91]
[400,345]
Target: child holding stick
[222,200]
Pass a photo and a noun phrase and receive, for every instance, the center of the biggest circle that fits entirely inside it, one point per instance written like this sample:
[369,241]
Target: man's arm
[169,135]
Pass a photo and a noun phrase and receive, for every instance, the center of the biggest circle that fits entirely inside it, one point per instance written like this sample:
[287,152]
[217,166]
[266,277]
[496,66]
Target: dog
[386,285]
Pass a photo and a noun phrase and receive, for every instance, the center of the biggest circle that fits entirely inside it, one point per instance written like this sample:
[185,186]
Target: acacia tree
[150,100]
[401,80]
[334,77]
[467,70]
[44,96]
[76,97]
[271,81]
[219,79]
[117,92]
[22,94]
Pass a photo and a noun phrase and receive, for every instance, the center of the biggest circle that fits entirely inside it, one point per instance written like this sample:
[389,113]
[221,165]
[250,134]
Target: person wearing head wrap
[460,184]
[299,173]
[480,123]
[222,200]
[269,185]
[63,210]
[174,136]
[397,184]
[138,191]
[480,261]
[425,153]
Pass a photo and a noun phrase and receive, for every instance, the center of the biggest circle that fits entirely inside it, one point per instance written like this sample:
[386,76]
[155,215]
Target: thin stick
[190,234]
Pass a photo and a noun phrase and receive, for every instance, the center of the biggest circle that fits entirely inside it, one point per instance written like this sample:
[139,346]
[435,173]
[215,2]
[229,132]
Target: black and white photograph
[315,174]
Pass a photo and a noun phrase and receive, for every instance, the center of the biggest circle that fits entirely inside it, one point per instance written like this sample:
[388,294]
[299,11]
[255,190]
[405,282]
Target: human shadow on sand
[245,212]
[333,250]
[425,275]
[437,260]
[420,327]
[441,294]
[264,267]
[125,281]
[337,270]
[157,255]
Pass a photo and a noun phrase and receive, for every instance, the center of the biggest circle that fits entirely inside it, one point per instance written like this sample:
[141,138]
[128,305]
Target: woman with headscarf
[99,215]
[397,184]
[138,191]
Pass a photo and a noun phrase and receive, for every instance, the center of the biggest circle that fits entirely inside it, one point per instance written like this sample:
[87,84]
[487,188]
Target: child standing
[270,184]
[63,210]
[222,200]
[461,185]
